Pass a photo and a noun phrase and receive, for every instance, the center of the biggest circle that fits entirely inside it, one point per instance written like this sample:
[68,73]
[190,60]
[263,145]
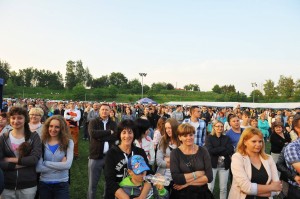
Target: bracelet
[194,175]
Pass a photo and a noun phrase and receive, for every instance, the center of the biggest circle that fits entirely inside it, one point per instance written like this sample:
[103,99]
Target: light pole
[253,93]
[143,75]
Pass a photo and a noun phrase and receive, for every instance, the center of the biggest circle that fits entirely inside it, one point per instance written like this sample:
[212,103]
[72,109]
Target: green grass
[79,174]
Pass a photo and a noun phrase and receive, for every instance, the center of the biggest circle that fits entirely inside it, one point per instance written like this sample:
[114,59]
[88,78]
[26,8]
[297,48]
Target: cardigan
[219,146]
[242,173]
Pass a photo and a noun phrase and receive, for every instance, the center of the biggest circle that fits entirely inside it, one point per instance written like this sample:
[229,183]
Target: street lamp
[253,85]
[143,75]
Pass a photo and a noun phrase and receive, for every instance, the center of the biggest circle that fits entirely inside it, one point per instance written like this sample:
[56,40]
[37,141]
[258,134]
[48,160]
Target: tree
[89,77]
[192,87]
[80,73]
[217,89]
[55,80]
[228,89]
[257,95]
[118,79]
[134,86]
[75,73]
[169,86]
[4,70]
[242,97]
[297,90]
[101,82]
[9,88]
[270,90]
[16,78]
[286,86]
[78,92]
[70,75]
[158,86]
[28,76]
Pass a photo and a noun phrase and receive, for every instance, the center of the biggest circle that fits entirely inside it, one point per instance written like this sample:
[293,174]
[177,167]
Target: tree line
[78,78]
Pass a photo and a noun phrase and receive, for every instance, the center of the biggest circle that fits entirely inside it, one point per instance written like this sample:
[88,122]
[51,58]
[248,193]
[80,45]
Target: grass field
[79,174]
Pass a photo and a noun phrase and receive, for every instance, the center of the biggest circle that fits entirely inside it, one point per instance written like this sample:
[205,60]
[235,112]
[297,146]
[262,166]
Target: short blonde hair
[247,134]
[213,132]
[36,110]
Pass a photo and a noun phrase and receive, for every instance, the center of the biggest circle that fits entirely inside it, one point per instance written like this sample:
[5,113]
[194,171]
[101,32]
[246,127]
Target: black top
[219,146]
[115,169]
[259,176]
[199,162]
[278,142]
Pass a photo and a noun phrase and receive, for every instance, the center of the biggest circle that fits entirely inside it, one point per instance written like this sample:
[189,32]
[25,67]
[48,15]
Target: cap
[137,164]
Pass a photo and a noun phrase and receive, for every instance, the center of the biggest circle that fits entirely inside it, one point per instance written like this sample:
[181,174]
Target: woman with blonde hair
[190,166]
[254,172]
[35,118]
[220,150]
[57,158]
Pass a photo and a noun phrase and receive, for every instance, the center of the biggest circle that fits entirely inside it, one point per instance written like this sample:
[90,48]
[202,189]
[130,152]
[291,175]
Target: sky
[204,42]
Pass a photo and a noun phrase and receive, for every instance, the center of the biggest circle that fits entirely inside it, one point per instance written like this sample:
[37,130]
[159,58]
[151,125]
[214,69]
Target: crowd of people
[189,146]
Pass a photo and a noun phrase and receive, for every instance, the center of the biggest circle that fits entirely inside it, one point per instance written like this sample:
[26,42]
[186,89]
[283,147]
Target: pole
[143,75]
[253,93]
[142,87]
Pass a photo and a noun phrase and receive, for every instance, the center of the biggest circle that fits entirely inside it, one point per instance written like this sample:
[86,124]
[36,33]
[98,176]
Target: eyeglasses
[36,115]
[219,126]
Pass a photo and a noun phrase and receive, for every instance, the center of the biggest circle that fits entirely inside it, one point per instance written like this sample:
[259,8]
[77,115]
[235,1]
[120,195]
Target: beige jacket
[242,172]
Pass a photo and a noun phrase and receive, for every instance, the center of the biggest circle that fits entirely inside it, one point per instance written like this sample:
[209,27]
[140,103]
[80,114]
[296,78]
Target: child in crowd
[133,183]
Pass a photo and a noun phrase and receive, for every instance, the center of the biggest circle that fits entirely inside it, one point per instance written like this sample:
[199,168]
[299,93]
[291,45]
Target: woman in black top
[220,149]
[278,139]
[115,169]
[190,166]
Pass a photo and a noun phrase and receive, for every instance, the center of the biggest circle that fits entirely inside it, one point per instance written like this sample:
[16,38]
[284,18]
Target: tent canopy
[146,101]
[287,105]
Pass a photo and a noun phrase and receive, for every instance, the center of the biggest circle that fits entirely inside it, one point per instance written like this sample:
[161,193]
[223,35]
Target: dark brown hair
[164,142]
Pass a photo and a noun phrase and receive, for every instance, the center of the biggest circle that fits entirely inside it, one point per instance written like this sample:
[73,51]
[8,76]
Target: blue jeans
[57,191]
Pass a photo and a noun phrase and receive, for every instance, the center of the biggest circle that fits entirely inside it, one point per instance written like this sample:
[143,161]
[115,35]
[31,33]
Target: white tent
[288,105]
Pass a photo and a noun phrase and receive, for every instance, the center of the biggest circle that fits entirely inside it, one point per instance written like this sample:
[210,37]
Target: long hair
[161,125]
[247,134]
[164,142]
[213,132]
[64,134]
[17,110]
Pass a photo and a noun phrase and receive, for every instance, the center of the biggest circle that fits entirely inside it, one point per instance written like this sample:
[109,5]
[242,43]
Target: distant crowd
[141,146]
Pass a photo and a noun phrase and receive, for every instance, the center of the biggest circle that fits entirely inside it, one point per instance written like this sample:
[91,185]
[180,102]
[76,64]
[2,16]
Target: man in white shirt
[72,117]
[101,130]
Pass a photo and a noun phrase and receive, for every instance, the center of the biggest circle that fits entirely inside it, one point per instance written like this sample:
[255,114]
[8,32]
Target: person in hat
[134,182]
